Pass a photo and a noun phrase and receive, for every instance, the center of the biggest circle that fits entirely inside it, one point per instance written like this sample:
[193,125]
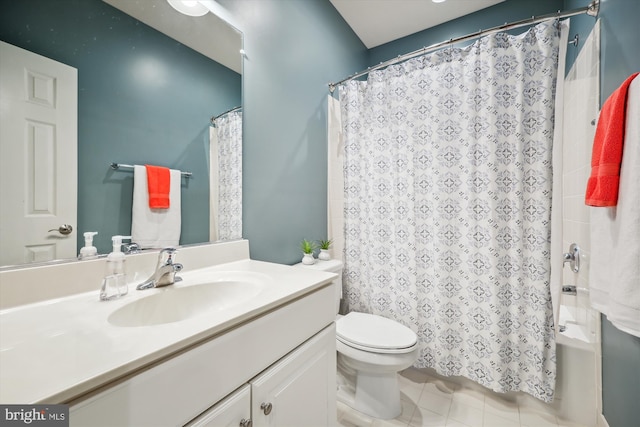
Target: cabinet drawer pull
[245,423]
[266,408]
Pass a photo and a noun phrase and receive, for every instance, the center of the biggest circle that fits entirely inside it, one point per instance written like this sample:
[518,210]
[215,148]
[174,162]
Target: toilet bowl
[371,351]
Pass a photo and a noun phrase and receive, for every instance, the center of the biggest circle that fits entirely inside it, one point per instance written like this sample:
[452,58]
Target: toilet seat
[376,334]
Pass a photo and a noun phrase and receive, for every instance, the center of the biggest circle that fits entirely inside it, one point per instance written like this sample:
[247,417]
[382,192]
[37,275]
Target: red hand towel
[159,183]
[602,187]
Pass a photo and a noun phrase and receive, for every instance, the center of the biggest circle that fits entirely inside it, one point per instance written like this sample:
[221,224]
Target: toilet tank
[331,266]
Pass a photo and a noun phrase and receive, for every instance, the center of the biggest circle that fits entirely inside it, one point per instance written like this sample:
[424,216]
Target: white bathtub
[575,328]
[577,382]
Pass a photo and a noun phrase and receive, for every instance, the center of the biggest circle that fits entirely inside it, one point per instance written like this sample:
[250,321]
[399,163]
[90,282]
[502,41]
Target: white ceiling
[208,34]
[377,22]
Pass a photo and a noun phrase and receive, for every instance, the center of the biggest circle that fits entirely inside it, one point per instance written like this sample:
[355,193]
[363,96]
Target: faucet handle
[131,248]
[170,253]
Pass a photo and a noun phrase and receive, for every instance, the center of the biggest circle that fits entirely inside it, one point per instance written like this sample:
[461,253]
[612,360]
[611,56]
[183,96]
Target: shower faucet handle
[572,257]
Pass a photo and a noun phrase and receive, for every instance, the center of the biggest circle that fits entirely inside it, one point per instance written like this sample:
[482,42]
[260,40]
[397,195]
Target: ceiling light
[189,7]
[438,1]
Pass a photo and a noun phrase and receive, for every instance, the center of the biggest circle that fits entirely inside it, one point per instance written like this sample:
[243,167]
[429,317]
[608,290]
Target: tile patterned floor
[435,402]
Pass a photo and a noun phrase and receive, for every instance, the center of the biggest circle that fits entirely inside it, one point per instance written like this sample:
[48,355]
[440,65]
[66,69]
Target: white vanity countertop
[57,350]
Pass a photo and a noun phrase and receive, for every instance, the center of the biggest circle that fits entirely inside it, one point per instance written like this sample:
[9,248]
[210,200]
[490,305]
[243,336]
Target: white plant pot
[324,255]
[308,259]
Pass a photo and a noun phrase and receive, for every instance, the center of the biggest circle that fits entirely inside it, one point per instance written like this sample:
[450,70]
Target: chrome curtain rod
[213,119]
[116,166]
[591,10]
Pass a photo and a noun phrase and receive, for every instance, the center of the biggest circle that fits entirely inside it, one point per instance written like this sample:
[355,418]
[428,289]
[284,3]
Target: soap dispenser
[114,284]
[88,251]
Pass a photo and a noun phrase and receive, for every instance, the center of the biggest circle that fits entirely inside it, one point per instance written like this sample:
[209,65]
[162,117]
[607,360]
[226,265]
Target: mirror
[149,81]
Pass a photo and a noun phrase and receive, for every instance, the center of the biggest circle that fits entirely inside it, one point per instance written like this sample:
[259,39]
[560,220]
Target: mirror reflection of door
[38,157]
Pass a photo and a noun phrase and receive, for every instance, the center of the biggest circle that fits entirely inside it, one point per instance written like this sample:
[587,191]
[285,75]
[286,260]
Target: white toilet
[371,351]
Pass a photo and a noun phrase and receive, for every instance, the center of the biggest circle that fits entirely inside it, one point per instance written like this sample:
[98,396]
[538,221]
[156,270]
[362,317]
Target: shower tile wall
[581,107]
[580,368]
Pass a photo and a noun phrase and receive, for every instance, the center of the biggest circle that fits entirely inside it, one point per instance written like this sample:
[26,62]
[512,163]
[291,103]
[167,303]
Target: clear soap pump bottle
[114,284]
[88,251]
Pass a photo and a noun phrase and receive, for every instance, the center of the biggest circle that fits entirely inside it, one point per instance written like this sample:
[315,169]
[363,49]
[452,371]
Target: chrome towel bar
[117,166]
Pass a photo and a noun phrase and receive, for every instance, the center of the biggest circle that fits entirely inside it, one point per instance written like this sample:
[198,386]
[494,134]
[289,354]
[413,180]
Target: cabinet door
[300,389]
[230,412]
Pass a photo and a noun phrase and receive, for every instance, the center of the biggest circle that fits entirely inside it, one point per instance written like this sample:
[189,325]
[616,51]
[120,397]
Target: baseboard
[602,421]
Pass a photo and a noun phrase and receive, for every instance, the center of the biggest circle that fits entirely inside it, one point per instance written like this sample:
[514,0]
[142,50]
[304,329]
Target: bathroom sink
[175,303]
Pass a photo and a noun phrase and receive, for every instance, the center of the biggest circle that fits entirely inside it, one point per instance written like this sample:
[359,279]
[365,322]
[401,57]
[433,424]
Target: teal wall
[620,376]
[294,49]
[158,116]
[581,25]
[508,11]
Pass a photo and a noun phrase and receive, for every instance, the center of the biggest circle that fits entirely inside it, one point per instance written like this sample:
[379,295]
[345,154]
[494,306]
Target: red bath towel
[159,184]
[602,187]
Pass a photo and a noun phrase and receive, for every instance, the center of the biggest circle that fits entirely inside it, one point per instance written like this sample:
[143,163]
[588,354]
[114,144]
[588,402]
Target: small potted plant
[324,249]
[307,248]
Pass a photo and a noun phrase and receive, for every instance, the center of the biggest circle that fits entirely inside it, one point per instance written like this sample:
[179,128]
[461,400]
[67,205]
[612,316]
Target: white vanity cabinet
[285,357]
[298,390]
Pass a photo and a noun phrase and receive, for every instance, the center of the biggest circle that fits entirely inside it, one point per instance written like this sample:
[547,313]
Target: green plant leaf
[325,244]
[307,246]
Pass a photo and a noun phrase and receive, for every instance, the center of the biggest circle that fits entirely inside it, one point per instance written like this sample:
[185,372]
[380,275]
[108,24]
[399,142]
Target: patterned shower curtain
[447,205]
[229,133]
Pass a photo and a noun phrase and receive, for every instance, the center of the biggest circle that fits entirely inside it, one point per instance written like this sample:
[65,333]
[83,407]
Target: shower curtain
[226,191]
[447,205]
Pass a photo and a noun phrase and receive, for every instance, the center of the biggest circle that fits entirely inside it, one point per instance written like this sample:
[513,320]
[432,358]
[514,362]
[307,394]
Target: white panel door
[38,156]
[300,389]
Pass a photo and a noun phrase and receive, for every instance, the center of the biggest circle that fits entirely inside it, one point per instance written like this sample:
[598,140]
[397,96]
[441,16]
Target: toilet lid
[374,333]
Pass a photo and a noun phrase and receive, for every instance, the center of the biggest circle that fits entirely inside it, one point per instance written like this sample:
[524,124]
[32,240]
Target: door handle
[64,229]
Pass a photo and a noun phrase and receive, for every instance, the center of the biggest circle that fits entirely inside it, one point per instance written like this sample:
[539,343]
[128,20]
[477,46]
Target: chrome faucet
[165,273]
